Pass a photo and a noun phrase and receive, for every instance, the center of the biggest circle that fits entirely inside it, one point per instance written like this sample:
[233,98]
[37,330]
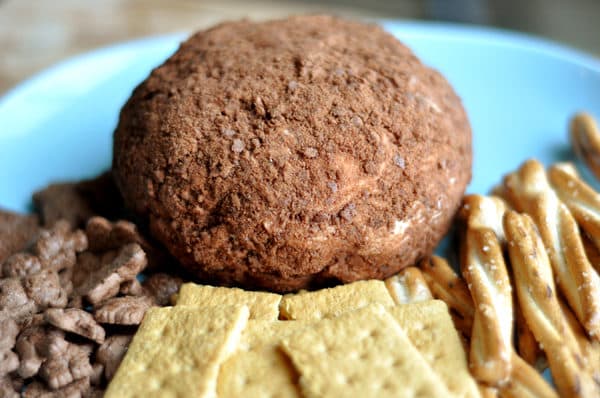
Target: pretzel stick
[487,391]
[408,286]
[591,251]
[527,347]
[446,285]
[583,202]
[483,266]
[585,139]
[581,199]
[536,386]
[487,212]
[479,211]
[590,349]
[529,191]
[537,297]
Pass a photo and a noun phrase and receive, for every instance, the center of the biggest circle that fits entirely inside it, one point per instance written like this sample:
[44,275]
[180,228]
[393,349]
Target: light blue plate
[518,91]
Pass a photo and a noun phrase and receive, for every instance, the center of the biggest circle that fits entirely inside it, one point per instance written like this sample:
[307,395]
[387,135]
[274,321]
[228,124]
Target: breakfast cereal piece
[483,267]
[45,289]
[16,230]
[430,329]
[56,247]
[177,351]
[408,286]
[55,342]
[105,235]
[111,353]
[262,305]
[14,302]
[127,310]
[259,368]
[76,321]
[7,390]
[62,201]
[161,287]
[29,346]
[534,387]
[51,249]
[131,288]
[87,264]
[362,353]
[537,295]
[96,377]
[327,303]
[9,362]
[448,286]
[529,191]
[104,283]
[585,140]
[77,388]
[21,264]
[8,333]
[70,364]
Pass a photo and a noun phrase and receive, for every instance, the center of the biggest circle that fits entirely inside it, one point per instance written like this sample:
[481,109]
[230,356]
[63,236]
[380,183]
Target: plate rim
[491,36]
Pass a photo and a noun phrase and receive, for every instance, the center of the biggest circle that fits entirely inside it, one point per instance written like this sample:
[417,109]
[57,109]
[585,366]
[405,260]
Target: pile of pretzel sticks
[528,294]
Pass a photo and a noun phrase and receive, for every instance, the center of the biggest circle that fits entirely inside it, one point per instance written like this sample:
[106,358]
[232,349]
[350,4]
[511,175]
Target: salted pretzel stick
[446,285]
[487,391]
[479,211]
[527,347]
[408,286]
[535,387]
[529,191]
[536,292]
[581,199]
[591,251]
[483,267]
[585,139]
[589,349]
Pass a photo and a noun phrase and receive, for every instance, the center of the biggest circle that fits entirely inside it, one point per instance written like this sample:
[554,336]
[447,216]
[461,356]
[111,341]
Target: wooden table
[37,33]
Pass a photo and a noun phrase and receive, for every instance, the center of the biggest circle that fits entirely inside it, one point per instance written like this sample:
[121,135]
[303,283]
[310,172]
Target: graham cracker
[259,368]
[177,351]
[429,327]
[363,353]
[262,305]
[327,303]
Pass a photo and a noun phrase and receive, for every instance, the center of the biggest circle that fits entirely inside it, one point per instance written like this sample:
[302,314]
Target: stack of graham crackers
[351,340]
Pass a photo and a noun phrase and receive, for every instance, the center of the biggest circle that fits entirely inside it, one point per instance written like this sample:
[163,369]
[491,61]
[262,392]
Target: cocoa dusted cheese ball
[294,153]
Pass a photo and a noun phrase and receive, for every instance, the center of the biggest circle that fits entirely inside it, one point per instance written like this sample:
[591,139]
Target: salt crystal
[310,152]
[228,132]
[357,121]
[399,161]
[237,146]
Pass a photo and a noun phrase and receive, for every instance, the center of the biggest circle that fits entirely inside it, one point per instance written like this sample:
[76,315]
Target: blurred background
[36,34]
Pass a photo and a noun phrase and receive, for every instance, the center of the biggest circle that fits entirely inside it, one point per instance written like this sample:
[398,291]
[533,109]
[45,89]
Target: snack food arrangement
[244,193]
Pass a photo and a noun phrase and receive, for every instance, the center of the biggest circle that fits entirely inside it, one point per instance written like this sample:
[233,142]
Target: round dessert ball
[294,154]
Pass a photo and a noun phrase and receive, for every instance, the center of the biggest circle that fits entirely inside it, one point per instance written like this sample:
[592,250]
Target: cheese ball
[294,154]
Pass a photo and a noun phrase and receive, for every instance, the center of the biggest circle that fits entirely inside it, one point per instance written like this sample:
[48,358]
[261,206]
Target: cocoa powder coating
[288,154]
